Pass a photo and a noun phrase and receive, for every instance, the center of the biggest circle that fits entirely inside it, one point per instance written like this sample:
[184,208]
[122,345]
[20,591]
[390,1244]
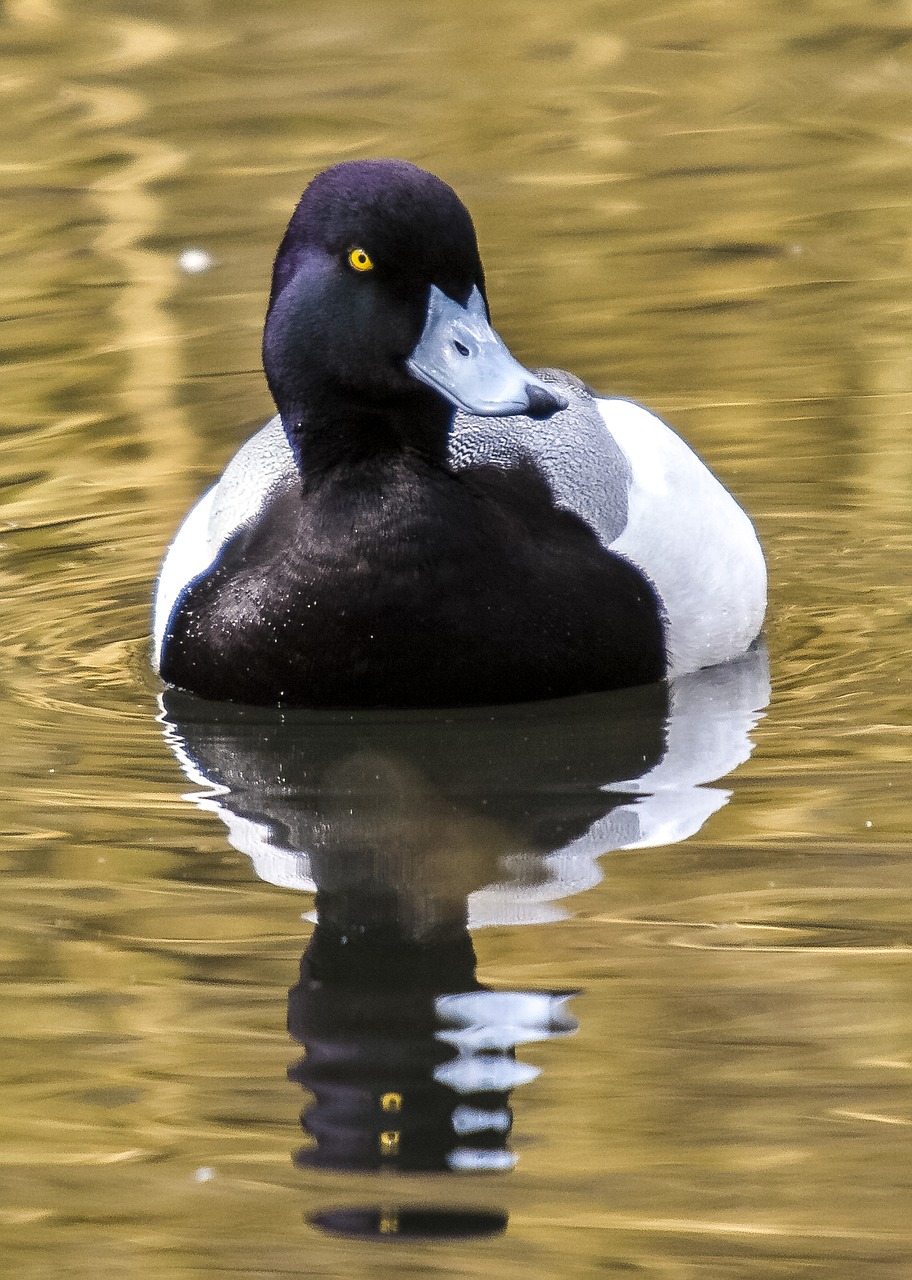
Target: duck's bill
[460,355]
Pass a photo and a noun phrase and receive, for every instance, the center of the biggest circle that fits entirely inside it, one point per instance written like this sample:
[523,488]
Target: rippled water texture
[616,986]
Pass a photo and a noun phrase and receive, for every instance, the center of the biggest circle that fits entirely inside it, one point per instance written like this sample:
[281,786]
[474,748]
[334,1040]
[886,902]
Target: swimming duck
[425,522]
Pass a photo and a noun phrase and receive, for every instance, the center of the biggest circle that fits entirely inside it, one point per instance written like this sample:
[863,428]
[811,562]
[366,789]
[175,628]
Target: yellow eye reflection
[360,260]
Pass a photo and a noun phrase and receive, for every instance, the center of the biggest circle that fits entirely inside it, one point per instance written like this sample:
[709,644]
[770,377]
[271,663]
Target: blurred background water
[657,987]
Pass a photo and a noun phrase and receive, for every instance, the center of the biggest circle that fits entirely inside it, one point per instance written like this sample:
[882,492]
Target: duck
[425,522]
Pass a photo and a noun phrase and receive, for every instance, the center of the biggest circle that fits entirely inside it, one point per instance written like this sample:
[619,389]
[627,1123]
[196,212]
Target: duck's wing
[259,470]
[648,497]
[586,470]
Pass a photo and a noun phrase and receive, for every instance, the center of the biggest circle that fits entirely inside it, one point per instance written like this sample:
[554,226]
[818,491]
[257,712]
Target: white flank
[255,472]
[692,540]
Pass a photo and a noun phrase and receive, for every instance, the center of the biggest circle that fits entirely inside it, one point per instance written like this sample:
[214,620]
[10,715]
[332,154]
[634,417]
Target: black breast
[407,585]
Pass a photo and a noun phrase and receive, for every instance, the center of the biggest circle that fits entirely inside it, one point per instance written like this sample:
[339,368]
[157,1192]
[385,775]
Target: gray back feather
[573,452]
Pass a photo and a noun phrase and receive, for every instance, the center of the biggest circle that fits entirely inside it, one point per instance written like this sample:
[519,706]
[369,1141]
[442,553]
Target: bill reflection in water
[412,828]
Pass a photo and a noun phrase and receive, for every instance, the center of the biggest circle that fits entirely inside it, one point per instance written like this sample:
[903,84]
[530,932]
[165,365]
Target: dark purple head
[378,294]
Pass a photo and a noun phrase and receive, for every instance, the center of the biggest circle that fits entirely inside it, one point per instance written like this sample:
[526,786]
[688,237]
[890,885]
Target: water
[680,1006]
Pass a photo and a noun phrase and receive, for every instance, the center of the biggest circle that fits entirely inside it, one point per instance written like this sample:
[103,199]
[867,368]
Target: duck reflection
[409,1059]
[412,829]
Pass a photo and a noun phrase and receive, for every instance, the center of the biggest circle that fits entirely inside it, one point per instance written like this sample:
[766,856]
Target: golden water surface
[703,205]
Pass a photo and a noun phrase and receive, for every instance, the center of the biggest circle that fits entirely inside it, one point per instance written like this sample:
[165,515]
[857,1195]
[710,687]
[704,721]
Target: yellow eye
[360,260]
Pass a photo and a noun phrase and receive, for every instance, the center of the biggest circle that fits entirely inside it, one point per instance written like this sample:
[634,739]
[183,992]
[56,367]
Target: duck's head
[378,300]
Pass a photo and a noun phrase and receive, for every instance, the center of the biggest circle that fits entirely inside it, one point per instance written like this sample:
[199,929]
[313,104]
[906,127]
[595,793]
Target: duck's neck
[333,432]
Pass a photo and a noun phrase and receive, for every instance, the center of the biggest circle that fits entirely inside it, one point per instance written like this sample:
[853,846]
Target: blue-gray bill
[460,355]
